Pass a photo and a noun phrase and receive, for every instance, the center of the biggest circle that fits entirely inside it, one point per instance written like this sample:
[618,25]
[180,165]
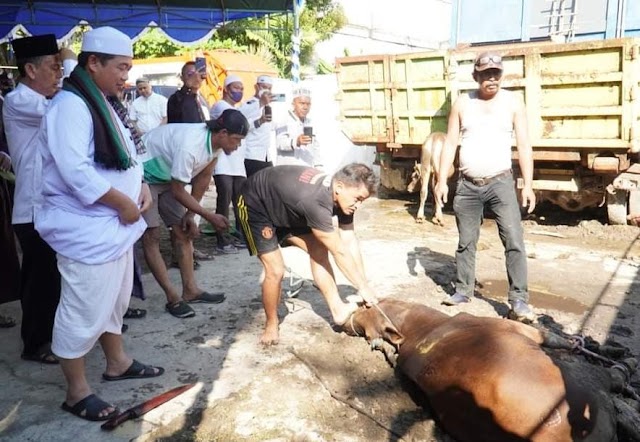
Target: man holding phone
[186,105]
[258,112]
[294,136]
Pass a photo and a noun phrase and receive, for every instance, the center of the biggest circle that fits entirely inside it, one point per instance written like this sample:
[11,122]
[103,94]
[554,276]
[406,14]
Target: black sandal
[89,408]
[135,313]
[137,370]
[7,322]
[44,355]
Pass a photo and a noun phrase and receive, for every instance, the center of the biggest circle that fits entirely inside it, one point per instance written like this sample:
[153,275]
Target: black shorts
[260,233]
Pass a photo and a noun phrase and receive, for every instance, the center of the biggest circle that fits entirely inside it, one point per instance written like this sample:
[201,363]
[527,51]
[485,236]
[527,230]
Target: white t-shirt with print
[177,151]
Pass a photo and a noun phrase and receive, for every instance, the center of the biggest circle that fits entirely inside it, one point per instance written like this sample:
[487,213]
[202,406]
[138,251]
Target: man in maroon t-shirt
[295,205]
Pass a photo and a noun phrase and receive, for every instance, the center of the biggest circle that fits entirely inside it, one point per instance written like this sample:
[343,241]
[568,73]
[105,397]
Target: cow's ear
[393,336]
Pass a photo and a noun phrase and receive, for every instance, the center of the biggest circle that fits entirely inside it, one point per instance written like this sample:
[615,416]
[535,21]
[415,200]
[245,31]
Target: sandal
[44,355]
[7,322]
[207,298]
[135,313]
[89,408]
[180,309]
[202,256]
[137,370]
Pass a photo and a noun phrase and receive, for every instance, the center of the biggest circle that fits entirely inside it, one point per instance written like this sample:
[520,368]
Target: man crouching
[294,205]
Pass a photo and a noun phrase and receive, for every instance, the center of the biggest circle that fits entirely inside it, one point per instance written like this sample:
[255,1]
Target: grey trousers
[469,204]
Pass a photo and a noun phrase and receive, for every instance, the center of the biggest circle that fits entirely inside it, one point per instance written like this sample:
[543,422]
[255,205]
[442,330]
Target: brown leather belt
[487,179]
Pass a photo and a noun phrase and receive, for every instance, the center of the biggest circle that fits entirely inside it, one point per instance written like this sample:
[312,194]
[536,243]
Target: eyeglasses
[497,59]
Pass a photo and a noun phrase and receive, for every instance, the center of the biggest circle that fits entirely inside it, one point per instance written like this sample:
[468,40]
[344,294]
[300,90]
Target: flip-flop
[44,355]
[137,370]
[135,313]
[202,256]
[7,322]
[208,298]
[89,408]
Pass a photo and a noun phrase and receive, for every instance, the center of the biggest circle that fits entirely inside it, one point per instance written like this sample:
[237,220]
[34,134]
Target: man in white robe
[93,197]
[297,146]
[40,66]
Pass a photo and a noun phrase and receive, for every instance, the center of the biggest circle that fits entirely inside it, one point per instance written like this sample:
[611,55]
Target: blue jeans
[468,205]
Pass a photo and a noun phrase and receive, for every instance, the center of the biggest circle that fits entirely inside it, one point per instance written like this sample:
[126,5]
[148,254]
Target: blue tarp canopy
[182,20]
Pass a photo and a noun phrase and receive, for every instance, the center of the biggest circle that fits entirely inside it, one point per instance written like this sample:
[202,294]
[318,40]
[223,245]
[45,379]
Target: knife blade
[146,406]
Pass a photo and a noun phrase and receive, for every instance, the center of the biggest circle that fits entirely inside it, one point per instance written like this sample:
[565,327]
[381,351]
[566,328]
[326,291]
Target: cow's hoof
[419,220]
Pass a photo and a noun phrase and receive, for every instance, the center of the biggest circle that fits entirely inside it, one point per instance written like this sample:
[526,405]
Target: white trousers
[93,300]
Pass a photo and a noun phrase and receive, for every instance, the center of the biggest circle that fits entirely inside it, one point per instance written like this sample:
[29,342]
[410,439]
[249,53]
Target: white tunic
[22,114]
[148,112]
[72,220]
[232,164]
[289,153]
[177,151]
[258,140]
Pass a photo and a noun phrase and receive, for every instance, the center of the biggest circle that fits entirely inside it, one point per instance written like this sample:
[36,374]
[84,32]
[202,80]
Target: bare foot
[270,335]
[346,310]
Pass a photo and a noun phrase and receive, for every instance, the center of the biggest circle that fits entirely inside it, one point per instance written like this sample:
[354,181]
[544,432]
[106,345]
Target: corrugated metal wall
[490,21]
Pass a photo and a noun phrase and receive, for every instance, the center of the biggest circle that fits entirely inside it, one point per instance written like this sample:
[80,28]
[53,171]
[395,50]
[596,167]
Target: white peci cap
[107,40]
[232,79]
[264,79]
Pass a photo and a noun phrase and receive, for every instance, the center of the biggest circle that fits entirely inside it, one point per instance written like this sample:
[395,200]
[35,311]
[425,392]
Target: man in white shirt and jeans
[258,140]
[149,110]
[229,173]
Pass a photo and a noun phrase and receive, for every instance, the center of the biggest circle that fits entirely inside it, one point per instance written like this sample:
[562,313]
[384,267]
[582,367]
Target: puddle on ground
[538,297]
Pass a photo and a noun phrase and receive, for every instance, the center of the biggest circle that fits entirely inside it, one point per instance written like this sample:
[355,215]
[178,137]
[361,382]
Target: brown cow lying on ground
[487,379]
[425,174]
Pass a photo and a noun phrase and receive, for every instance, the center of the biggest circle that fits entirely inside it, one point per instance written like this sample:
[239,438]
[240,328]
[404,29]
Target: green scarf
[109,149]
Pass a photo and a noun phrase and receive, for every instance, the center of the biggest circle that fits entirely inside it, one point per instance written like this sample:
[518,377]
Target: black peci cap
[232,120]
[36,46]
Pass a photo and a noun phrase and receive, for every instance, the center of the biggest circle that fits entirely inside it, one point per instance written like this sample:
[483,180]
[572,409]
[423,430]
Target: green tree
[269,37]
[318,21]
[154,44]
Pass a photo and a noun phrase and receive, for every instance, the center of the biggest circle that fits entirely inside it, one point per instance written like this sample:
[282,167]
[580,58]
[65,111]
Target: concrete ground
[189,349]
[218,348]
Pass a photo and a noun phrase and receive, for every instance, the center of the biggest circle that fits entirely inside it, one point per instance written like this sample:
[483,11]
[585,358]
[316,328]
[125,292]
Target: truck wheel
[617,207]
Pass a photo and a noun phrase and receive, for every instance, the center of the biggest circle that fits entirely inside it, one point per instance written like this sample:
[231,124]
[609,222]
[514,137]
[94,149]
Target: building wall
[380,26]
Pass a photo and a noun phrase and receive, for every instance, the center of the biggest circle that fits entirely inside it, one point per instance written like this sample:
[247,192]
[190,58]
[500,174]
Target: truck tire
[617,207]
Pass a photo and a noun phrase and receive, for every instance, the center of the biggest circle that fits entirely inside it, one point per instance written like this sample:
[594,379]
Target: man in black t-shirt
[295,205]
[186,105]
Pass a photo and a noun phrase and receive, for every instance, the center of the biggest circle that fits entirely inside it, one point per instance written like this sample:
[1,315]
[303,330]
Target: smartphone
[268,113]
[201,66]
[308,131]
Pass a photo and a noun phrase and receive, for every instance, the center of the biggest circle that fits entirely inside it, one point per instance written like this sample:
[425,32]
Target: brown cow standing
[487,379]
[426,174]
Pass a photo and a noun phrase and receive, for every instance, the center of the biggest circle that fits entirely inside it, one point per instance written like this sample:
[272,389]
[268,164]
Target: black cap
[232,120]
[36,46]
